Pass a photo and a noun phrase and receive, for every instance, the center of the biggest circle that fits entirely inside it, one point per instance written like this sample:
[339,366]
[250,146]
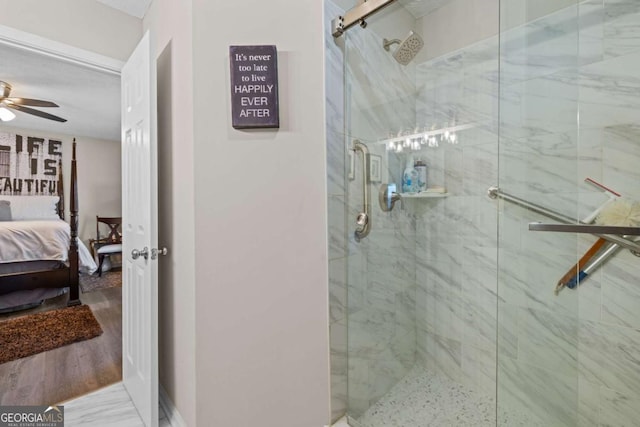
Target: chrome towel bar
[585,228]
[495,193]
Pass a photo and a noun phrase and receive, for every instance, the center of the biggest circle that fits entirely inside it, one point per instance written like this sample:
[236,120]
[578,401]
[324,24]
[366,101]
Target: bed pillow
[5,210]
[32,207]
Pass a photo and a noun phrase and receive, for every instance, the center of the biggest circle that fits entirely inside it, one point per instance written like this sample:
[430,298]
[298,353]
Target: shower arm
[357,15]
[363,221]
[495,192]
[387,43]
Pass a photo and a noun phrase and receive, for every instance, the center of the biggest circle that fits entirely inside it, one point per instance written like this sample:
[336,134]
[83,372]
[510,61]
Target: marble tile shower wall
[456,236]
[566,359]
[381,273]
[380,270]
[582,63]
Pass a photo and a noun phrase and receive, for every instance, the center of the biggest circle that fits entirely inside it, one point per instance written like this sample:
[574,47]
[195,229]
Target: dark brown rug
[109,279]
[28,335]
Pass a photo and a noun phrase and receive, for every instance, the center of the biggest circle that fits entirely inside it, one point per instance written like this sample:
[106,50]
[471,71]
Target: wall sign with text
[254,86]
[29,165]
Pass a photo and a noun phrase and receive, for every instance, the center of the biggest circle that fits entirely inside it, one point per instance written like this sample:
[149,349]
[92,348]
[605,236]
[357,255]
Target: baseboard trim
[173,416]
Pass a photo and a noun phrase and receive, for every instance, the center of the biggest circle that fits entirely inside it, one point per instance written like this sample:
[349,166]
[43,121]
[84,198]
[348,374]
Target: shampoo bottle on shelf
[421,167]
[410,178]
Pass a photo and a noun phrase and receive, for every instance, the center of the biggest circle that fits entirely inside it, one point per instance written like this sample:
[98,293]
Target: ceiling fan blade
[32,102]
[35,112]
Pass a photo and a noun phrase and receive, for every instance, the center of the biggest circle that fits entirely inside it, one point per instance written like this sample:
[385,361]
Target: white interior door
[140,233]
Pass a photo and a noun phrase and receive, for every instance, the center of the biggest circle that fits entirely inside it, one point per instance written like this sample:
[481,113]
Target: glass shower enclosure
[461,309]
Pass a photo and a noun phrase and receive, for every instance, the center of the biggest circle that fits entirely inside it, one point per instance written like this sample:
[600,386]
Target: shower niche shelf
[424,195]
[387,196]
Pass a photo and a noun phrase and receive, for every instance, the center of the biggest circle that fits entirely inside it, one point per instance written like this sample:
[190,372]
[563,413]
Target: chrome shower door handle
[585,228]
[135,254]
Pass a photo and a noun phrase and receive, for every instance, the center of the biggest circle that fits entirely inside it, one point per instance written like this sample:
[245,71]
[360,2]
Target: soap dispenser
[410,178]
[421,167]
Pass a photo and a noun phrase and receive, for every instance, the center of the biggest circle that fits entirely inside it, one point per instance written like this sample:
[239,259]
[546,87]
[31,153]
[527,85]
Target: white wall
[99,183]
[84,24]
[258,251]
[261,246]
[170,26]
[106,31]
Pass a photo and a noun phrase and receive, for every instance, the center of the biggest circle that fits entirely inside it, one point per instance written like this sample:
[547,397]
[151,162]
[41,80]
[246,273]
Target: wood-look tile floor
[73,370]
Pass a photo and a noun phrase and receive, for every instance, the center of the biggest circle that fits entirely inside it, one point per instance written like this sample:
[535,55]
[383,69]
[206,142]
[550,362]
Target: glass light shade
[6,114]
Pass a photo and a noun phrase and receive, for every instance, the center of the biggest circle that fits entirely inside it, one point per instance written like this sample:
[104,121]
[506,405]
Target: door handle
[135,254]
[158,251]
[585,228]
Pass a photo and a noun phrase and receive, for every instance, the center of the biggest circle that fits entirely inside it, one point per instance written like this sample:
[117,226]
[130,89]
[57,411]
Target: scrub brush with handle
[621,213]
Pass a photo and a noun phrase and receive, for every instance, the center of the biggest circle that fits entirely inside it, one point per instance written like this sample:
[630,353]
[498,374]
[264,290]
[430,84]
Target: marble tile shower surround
[381,268]
[568,359]
[552,358]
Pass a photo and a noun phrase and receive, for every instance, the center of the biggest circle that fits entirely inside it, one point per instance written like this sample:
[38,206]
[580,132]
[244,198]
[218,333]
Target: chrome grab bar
[495,192]
[363,221]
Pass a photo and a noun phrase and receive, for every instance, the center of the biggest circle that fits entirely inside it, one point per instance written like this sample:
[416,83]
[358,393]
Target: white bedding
[37,240]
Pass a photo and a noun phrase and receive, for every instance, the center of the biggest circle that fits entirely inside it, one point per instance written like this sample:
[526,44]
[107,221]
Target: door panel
[139,208]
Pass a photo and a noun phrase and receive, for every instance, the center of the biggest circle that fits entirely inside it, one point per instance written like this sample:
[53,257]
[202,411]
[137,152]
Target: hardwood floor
[73,370]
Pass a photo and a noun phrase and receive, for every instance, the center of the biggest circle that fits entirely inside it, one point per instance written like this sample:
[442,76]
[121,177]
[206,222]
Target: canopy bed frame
[64,275]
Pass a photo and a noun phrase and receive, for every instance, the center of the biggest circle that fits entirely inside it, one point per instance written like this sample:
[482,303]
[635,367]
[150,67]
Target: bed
[40,253]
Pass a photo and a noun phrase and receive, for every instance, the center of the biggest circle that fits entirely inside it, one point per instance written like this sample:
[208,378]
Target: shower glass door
[454,315]
[569,118]
[380,100]
[422,286]
[539,162]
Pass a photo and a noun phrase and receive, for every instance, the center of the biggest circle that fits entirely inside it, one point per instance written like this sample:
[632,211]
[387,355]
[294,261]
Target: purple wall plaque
[254,87]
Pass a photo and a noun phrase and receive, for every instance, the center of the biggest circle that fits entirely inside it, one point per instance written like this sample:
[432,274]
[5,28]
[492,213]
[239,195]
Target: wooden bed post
[60,190]
[74,277]
[61,276]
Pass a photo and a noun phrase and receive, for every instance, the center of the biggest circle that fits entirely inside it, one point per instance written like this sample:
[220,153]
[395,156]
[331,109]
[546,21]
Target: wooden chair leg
[101,260]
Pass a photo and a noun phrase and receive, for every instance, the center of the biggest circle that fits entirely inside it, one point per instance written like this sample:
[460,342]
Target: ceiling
[89,99]
[420,8]
[135,8]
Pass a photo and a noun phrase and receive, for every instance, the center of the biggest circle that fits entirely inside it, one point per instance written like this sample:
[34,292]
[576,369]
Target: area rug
[109,279]
[28,335]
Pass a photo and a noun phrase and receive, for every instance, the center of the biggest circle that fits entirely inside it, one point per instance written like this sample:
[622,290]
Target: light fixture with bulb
[6,114]
[431,138]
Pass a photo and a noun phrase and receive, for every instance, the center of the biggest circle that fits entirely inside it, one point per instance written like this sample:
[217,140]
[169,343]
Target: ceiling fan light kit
[6,114]
[20,104]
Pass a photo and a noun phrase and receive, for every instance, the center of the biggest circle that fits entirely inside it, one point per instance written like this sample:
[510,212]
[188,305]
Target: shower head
[408,48]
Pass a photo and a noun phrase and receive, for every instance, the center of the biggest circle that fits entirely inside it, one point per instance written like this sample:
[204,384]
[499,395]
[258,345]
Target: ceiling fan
[20,104]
